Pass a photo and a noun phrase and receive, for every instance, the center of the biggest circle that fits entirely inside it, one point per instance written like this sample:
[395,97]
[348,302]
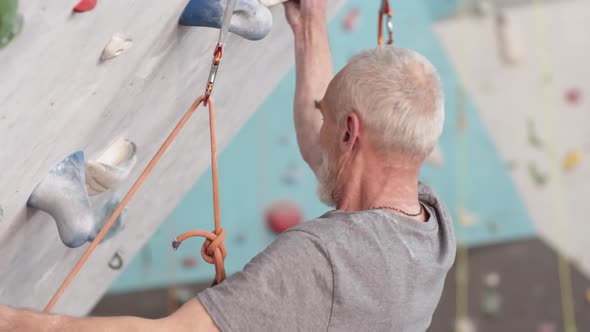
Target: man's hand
[313,64]
[298,11]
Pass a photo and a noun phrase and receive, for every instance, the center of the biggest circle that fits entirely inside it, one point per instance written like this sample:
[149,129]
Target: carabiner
[217,54]
[385,11]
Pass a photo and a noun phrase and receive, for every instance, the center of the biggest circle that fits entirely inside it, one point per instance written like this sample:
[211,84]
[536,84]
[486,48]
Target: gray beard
[326,182]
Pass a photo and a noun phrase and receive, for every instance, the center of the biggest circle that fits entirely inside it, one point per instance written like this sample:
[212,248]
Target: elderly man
[376,263]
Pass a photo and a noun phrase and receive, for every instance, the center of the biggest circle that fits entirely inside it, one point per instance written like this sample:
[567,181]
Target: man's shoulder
[329,225]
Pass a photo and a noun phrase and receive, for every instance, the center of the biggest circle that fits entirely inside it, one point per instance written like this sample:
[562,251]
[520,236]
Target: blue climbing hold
[62,194]
[103,215]
[251,19]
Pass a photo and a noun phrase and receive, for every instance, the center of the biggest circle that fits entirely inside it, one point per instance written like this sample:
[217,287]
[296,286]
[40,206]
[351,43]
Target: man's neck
[373,182]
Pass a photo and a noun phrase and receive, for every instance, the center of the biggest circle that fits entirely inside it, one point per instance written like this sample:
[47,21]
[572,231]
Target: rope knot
[213,248]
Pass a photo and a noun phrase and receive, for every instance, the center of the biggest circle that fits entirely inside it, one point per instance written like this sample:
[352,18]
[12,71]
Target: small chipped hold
[539,178]
[533,138]
[115,47]
[466,218]
[492,280]
[571,160]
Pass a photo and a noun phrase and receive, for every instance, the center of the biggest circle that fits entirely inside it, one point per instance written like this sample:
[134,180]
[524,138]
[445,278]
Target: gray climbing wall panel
[56,97]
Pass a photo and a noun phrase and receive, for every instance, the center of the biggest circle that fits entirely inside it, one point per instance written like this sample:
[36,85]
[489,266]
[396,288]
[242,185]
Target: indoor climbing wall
[534,107]
[492,167]
[521,62]
[262,166]
[88,92]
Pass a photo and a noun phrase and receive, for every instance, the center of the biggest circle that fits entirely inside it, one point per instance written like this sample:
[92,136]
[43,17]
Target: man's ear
[351,133]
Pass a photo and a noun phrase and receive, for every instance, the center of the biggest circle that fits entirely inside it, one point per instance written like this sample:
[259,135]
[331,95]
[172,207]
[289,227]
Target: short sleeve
[287,287]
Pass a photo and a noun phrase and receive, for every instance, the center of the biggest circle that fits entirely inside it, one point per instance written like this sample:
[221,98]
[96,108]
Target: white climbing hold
[270,3]
[115,47]
[436,158]
[492,280]
[464,324]
[466,218]
[111,168]
[509,40]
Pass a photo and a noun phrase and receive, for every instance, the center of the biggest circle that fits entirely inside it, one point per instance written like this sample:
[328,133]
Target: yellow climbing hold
[467,218]
[571,160]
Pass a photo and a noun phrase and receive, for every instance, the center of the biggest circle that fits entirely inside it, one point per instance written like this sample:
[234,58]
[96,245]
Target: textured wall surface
[530,99]
[56,98]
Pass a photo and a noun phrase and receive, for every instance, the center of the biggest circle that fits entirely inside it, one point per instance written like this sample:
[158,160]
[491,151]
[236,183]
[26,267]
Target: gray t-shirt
[344,271]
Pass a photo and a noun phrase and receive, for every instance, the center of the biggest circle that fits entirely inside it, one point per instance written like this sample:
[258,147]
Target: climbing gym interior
[130,127]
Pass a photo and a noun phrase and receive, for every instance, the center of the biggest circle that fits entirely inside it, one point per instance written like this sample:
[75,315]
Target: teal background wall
[254,166]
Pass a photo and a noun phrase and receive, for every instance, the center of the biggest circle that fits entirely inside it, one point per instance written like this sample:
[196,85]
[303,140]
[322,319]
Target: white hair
[397,94]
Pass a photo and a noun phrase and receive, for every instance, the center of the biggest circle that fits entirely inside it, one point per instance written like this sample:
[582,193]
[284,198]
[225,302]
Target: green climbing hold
[534,139]
[547,77]
[539,178]
[11,22]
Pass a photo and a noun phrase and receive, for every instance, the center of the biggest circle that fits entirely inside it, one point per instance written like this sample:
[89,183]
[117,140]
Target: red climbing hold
[351,19]
[546,327]
[189,262]
[283,215]
[573,96]
[85,5]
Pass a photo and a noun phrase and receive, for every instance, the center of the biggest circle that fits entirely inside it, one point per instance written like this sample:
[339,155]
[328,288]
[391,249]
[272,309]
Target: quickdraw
[218,53]
[385,10]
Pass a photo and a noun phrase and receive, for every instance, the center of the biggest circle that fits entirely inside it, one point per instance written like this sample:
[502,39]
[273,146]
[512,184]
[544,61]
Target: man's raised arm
[313,63]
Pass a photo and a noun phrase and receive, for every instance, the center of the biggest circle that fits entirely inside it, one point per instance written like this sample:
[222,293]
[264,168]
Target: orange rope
[214,242]
[213,250]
